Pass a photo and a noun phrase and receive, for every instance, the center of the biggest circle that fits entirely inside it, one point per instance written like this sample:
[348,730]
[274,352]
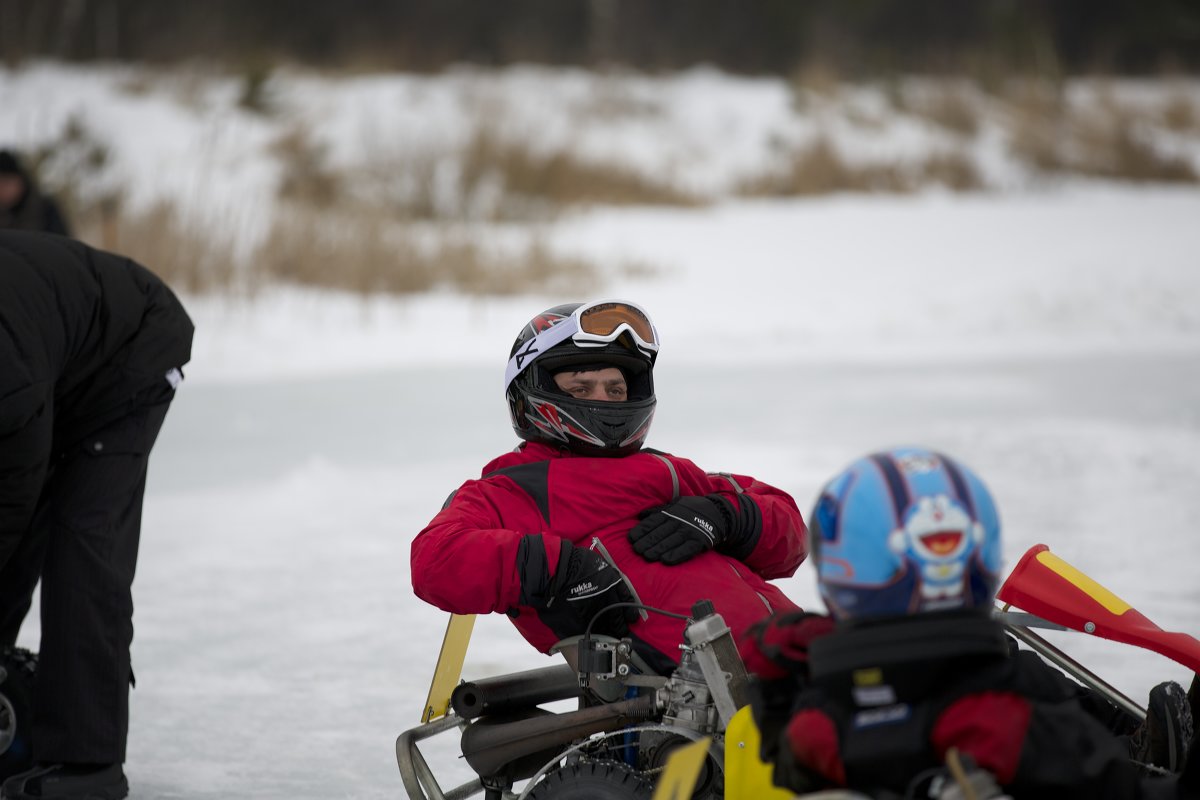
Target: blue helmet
[905,531]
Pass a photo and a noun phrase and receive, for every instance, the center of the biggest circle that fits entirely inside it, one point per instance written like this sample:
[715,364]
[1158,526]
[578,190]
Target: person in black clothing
[22,204]
[910,681]
[91,346]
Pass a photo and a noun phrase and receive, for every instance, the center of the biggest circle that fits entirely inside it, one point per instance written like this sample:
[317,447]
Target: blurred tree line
[850,37]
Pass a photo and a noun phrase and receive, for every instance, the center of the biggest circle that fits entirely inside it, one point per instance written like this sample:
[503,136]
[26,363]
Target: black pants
[83,544]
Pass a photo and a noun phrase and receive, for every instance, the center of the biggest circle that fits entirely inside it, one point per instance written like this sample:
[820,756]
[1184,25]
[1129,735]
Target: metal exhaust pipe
[515,691]
[490,747]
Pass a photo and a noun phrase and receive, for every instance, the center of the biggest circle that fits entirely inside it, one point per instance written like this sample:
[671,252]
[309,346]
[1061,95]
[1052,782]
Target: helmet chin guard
[613,333]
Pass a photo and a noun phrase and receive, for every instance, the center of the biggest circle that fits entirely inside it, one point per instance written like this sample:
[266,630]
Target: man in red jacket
[581,515]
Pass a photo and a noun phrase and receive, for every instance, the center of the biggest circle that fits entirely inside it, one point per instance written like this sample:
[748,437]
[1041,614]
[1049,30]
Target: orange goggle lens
[605,318]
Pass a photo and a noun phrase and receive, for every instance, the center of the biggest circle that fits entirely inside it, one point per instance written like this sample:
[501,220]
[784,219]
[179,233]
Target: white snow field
[1048,337]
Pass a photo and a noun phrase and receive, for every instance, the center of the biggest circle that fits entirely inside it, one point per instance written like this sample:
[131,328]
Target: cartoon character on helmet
[905,531]
[580,337]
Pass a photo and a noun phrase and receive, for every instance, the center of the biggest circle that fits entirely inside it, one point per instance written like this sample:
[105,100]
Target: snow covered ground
[1049,338]
[279,648]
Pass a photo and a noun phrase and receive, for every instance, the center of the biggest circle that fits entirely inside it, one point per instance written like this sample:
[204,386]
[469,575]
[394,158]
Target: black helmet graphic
[607,333]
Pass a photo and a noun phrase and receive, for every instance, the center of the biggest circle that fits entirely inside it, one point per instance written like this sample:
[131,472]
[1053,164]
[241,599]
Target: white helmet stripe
[529,352]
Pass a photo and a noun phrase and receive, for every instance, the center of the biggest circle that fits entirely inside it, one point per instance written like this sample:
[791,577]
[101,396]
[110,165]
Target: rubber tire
[593,780]
[16,709]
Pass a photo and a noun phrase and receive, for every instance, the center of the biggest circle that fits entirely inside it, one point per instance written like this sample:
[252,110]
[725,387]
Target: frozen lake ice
[280,650]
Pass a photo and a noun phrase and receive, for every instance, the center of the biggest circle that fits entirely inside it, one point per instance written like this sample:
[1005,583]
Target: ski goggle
[591,325]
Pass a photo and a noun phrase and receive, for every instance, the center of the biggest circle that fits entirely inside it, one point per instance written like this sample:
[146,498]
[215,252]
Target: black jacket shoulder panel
[533,479]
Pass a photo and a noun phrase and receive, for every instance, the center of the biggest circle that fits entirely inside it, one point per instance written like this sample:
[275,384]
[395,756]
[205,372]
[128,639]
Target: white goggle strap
[528,352]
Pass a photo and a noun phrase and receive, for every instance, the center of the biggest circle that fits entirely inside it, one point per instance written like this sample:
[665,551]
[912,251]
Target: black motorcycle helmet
[583,336]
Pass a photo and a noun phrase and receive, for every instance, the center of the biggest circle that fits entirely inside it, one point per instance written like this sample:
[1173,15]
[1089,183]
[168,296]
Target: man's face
[595,384]
[12,187]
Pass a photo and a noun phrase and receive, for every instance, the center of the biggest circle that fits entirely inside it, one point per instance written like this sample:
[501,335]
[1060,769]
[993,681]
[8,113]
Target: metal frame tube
[419,780]
[1077,670]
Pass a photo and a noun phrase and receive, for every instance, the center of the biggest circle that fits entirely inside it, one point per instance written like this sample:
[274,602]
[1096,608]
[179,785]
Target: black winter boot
[1163,739]
[18,673]
[67,782]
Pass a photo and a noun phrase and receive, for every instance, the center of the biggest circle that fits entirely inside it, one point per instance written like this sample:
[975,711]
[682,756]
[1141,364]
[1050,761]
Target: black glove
[682,530]
[583,584]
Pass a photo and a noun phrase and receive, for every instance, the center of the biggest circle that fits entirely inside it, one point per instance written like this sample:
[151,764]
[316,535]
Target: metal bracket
[1020,619]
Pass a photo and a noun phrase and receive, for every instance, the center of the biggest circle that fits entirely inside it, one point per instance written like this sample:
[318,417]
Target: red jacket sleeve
[1037,749]
[464,562]
[779,540]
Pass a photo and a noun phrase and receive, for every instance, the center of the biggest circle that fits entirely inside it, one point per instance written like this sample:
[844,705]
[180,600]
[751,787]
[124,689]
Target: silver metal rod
[1024,620]
[419,780]
[425,774]
[1075,669]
